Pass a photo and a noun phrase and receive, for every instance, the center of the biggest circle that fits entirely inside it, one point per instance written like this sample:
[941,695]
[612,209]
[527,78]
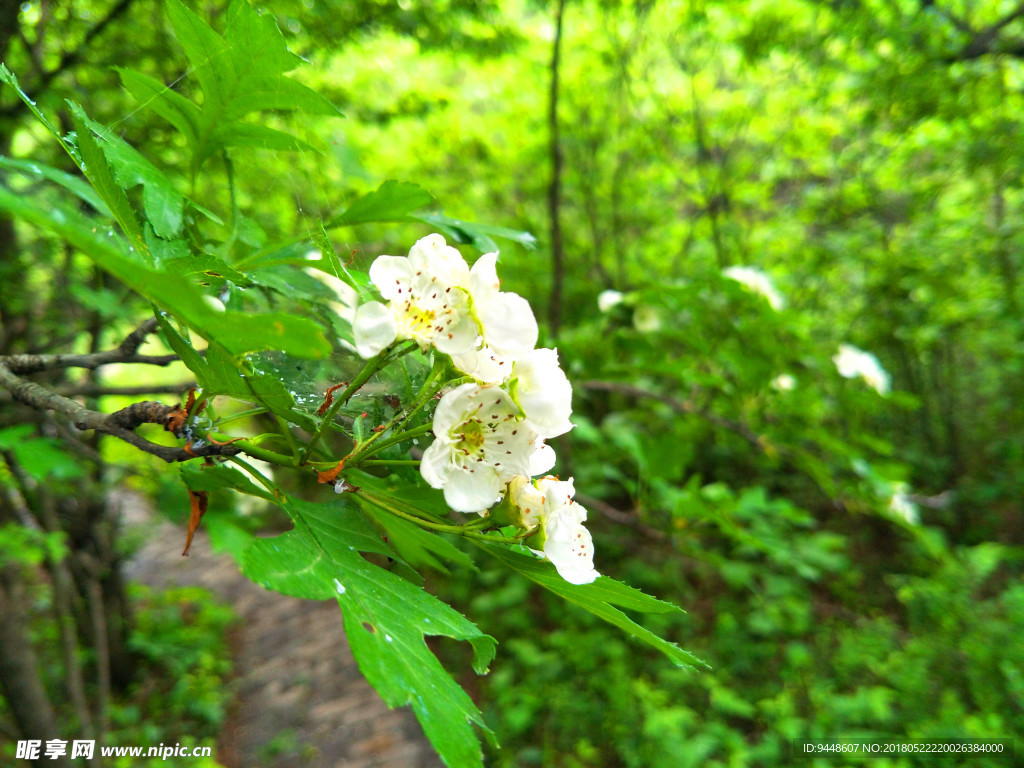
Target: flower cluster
[489,433]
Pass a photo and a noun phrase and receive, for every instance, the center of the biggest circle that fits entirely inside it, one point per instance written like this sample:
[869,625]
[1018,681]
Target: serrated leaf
[385,617]
[163,203]
[258,137]
[71,183]
[418,547]
[599,598]
[97,170]
[480,236]
[169,104]
[214,477]
[241,75]
[392,201]
[239,333]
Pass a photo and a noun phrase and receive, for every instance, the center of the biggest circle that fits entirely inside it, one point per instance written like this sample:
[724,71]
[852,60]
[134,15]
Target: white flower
[427,299]
[567,543]
[784,382]
[852,362]
[647,319]
[901,505]
[508,328]
[543,392]
[480,444]
[758,282]
[608,299]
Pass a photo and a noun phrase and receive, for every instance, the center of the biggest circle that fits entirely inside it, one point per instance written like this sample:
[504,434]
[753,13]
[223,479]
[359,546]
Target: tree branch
[68,59]
[126,352]
[119,424]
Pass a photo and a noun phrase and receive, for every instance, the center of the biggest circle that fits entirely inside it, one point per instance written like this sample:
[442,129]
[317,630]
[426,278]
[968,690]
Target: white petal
[391,274]
[432,256]
[374,328]
[543,392]
[570,547]
[472,491]
[436,463]
[452,409]
[508,323]
[541,460]
[608,299]
[458,337]
[483,278]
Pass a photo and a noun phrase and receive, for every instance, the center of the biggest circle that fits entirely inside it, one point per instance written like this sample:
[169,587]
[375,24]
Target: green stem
[409,434]
[241,415]
[430,388]
[390,462]
[461,530]
[372,365]
[255,473]
[289,437]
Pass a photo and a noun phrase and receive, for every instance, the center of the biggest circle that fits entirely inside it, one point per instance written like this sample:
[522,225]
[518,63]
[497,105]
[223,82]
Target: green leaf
[163,203]
[214,477]
[96,169]
[71,183]
[239,333]
[41,457]
[478,235]
[238,76]
[386,618]
[259,137]
[418,547]
[169,104]
[599,598]
[392,201]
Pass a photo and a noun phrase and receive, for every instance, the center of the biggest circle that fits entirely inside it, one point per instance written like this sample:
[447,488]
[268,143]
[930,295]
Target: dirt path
[301,702]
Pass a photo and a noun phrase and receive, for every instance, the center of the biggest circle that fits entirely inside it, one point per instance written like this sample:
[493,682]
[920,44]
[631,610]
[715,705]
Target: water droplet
[388,638]
[339,587]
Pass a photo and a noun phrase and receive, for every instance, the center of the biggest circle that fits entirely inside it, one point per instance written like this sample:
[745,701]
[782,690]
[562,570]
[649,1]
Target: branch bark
[119,424]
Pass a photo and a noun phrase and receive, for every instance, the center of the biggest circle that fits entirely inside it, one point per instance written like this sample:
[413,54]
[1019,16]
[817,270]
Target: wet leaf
[385,617]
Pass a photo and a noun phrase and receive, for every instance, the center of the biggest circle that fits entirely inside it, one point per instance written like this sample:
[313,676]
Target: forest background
[847,547]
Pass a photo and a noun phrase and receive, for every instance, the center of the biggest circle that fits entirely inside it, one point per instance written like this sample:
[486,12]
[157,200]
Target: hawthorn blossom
[481,443]
[606,300]
[784,382]
[757,281]
[852,362]
[548,503]
[428,301]
[508,328]
[543,391]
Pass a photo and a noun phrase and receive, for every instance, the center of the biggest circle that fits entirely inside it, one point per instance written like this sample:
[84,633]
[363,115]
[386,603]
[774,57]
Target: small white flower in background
[608,299]
[647,319]
[567,543]
[784,382]
[428,301]
[480,444]
[901,505]
[758,282]
[852,362]
[543,391]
